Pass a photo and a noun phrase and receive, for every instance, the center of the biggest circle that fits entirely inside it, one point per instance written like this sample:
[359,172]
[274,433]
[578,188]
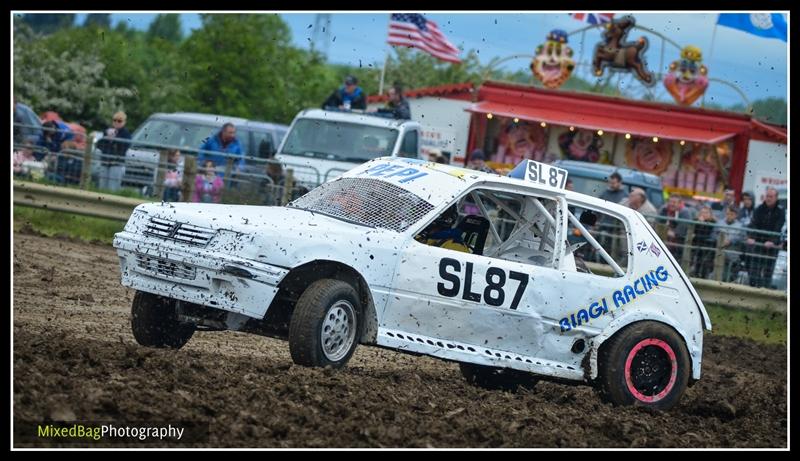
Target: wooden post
[288,185]
[228,169]
[86,168]
[161,169]
[686,257]
[189,174]
[719,257]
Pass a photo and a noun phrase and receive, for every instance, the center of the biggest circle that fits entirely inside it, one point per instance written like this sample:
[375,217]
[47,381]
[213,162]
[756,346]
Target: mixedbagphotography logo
[84,432]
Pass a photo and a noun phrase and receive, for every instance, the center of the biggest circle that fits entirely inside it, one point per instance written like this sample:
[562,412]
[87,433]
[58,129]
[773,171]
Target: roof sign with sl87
[546,175]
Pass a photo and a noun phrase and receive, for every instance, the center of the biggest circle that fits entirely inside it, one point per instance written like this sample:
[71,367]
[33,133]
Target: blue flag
[769,25]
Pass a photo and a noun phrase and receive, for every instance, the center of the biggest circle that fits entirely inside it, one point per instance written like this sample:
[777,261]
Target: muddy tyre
[325,325]
[644,364]
[154,322]
[503,379]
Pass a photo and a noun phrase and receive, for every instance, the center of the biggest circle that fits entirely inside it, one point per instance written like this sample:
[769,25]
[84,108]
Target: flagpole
[710,53]
[383,72]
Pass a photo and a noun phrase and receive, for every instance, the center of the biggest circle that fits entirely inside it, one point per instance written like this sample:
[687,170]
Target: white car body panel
[558,307]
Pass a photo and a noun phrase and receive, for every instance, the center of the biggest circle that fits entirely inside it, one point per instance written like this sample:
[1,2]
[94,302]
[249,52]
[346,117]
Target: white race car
[429,259]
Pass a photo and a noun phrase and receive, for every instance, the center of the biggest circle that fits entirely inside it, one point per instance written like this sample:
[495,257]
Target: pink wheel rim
[673,361]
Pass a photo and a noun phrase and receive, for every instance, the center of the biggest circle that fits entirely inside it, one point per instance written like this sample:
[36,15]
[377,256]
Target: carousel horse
[621,55]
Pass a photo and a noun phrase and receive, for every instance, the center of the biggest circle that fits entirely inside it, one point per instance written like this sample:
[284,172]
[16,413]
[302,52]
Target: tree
[102,20]
[770,110]
[166,27]
[48,23]
[244,65]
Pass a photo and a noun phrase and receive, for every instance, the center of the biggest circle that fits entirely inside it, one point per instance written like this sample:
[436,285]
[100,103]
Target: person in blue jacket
[225,142]
[348,96]
[54,133]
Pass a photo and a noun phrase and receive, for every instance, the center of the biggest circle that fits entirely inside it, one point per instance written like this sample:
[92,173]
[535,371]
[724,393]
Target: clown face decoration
[583,145]
[650,157]
[553,63]
[686,80]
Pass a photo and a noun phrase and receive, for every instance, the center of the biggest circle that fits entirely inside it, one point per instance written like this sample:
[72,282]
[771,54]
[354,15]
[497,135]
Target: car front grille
[180,232]
[165,267]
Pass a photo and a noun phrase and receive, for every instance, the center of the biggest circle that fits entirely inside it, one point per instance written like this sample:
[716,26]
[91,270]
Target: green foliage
[770,110]
[166,27]
[764,326]
[45,24]
[102,20]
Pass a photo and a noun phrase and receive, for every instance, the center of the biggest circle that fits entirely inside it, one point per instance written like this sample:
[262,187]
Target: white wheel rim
[338,330]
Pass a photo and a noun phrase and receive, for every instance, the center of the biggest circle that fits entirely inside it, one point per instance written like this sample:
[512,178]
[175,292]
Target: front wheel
[644,364]
[154,322]
[325,325]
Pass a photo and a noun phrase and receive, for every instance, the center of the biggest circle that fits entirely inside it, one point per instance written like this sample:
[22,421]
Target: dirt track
[75,358]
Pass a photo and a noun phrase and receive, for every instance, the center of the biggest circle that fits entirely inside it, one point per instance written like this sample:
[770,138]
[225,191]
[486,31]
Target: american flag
[593,18]
[414,30]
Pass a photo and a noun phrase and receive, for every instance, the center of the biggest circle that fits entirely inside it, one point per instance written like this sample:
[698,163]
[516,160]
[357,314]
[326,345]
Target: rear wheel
[492,378]
[155,324]
[645,364]
[325,324]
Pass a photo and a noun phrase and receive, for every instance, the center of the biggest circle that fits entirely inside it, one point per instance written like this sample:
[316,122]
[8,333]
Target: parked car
[32,131]
[326,143]
[359,260]
[188,131]
[592,179]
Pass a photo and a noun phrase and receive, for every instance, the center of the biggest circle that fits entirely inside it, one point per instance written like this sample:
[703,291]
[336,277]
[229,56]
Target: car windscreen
[588,186]
[172,133]
[367,202]
[348,142]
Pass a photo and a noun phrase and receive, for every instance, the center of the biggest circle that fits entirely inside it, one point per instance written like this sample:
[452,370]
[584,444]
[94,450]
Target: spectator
[224,142]
[173,178]
[732,234]
[703,243]
[26,166]
[676,230]
[746,210]
[398,104]
[637,200]
[272,186]
[67,167]
[114,145]
[767,217]
[348,96]
[208,186]
[615,193]
[729,198]
[477,161]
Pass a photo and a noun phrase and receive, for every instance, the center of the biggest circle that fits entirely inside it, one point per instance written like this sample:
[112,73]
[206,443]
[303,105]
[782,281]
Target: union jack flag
[593,18]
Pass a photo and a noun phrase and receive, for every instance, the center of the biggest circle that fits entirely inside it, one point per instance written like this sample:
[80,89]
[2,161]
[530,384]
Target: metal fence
[152,172]
[709,251]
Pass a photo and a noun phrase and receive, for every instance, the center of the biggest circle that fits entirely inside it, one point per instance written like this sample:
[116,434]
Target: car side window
[608,254]
[498,224]
[408,148]
[263,145]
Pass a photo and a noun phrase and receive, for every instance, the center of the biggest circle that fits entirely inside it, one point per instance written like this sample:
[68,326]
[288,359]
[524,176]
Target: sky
[758,66]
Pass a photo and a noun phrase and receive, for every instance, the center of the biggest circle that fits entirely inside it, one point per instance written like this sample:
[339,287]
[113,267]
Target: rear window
[367,202]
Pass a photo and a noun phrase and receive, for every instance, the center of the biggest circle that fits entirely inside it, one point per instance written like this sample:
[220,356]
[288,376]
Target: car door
[509,303]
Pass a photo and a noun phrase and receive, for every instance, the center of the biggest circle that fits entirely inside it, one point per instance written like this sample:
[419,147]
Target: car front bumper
[196,275]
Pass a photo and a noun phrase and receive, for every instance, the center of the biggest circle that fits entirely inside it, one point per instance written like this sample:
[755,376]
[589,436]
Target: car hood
[282,236]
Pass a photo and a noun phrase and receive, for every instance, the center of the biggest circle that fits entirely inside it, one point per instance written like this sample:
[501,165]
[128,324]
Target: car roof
[454,180]
[600,171]
[216,120]
[354,117]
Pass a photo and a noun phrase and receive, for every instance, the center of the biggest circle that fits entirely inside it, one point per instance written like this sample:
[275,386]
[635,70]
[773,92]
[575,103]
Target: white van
[321,145]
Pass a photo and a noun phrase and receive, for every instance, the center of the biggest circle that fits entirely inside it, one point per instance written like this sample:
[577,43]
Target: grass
[122,192]
[58,224]
[763,326]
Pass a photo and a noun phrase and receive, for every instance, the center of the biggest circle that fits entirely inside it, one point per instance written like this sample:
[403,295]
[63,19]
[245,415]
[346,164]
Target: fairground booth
[695,151]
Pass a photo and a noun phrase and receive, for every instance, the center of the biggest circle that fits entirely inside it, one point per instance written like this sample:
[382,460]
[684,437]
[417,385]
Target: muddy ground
[76,359]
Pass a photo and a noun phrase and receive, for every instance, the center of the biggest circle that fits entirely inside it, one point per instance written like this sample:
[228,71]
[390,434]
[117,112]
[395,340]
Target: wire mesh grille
[366,201]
